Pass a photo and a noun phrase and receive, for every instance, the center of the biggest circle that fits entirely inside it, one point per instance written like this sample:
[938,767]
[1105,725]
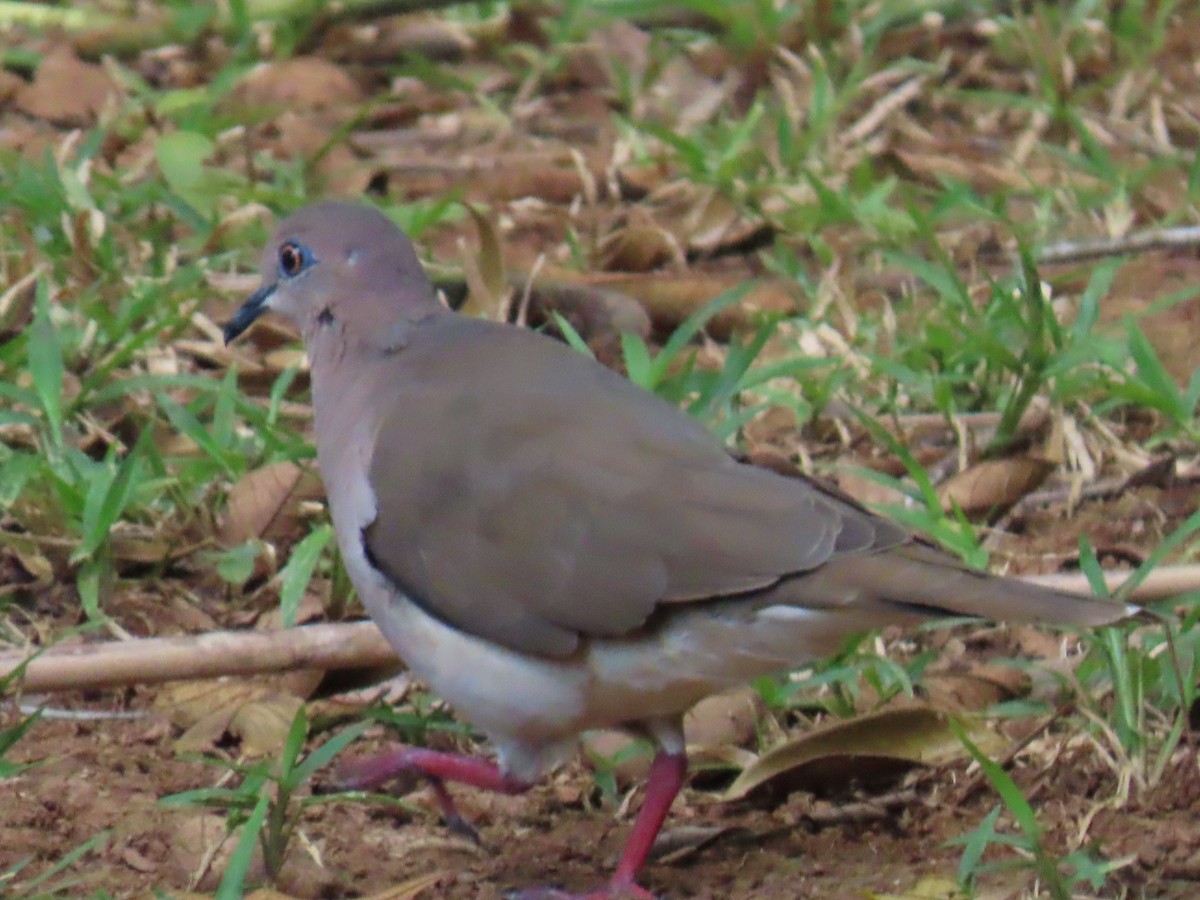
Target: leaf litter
[665,235]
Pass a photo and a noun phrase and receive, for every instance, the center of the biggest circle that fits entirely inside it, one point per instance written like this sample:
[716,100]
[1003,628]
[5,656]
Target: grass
[115,432]
[263,806]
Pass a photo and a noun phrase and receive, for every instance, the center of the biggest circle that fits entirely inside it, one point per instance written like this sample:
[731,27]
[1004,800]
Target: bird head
[344,266]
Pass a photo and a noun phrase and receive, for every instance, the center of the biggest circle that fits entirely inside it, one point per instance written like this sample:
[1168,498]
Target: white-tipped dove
[554,549]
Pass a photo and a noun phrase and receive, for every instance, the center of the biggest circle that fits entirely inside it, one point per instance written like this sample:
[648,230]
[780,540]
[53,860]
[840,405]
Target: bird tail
[917,581]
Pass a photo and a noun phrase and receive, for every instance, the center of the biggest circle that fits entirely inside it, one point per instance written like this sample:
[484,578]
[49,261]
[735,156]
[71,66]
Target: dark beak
[248,312]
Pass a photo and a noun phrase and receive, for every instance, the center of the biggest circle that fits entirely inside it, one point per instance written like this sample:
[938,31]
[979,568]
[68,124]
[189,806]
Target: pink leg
[662,786]
[371,771]
[436,767]
[667,773]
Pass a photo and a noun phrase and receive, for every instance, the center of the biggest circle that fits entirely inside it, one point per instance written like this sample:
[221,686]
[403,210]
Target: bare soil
[529,169]
[108,775]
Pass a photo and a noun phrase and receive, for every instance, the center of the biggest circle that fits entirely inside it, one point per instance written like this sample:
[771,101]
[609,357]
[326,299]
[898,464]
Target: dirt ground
[109,775]
[92,773]
[886,839]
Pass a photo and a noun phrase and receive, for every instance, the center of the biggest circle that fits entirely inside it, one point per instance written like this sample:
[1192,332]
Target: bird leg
[667,773]
[436,767]
[666,777]
[663,784]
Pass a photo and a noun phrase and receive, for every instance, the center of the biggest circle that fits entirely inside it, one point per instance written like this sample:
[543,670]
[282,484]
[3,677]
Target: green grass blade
[233,882]
[46,367]
[296,575]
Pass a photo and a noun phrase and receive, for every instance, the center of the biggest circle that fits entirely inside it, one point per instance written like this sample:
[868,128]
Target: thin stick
[1163,582]
[219,653]
[1184,237]
[331,647]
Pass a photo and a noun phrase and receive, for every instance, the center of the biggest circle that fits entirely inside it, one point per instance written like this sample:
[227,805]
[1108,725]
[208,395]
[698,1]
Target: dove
[553,549]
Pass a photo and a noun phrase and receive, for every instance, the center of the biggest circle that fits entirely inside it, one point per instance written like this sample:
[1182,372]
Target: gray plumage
[554,548]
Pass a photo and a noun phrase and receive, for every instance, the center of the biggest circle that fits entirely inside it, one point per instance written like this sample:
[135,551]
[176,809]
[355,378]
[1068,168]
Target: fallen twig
[154,660]
[1163,582]
[347,646]
[1183,237]
[97,33]
[856,812]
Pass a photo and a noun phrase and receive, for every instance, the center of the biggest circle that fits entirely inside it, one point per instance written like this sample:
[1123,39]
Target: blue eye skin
[294,258]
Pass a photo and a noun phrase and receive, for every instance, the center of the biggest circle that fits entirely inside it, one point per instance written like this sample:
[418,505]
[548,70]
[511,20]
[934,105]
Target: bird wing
[533,498]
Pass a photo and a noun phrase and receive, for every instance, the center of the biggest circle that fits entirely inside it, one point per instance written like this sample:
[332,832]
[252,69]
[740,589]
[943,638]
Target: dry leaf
[877,745]
[993,484]
[681,841]
[255,711]
[411,889]
[670,298]
[601,748]
[264,504]
[204,839]
[935,167]
[33,561]
[598,315]
[263,725]
[638,244]
[429,35]
[867,491]
[298,84]
[487,288]
[142,546]
[716,226]
[65,90]
[928,888]
[730,718]
[977,687]
[10,83]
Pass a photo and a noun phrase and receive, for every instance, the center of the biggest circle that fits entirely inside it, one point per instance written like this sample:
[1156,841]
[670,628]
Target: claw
[613,891]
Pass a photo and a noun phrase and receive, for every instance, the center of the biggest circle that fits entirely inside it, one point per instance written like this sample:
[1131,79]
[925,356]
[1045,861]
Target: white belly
[533,708]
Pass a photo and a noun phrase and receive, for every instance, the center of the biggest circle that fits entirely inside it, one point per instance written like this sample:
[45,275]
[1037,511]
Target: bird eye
[291,259]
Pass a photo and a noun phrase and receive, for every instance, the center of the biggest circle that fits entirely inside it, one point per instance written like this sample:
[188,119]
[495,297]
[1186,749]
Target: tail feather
[919,581]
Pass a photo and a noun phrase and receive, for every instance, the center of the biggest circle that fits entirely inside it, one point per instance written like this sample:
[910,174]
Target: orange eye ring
[291,259]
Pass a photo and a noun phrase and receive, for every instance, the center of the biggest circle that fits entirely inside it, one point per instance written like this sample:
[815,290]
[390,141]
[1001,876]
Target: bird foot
[612,891]
[371,772]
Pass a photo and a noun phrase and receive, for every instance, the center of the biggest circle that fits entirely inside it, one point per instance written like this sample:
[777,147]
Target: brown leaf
[555,178]
[870,747]
[429,35]
[682,841]
[993,484]
[412,888]
[263,504]
[598,315]
[935,167]
[204,839]
[855,482]
[299,84]
[263,725]
[141,546]
[975,687]
[928,888]
[10,83]
[638,245]
[255,711]
[716,226]
[730,718]
[65,90]
[304,135]
[618,750]
[16,304]
[30,558]
[485,276]
[670,298]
